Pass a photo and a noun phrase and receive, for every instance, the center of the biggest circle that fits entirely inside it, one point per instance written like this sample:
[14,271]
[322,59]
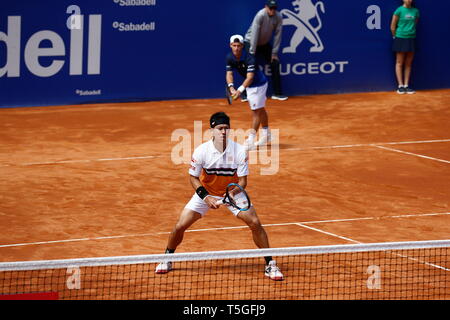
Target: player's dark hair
[219,118]
[413,4]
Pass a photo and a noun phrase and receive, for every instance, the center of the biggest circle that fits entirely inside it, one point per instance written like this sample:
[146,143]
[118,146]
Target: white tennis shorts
[198,205]
[256,96]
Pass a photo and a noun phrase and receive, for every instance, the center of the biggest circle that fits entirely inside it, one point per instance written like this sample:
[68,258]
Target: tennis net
[397,270]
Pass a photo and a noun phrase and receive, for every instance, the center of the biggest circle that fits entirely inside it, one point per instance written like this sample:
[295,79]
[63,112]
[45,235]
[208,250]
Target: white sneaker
[264,140]
[163,267]
[279,97]
[273,272]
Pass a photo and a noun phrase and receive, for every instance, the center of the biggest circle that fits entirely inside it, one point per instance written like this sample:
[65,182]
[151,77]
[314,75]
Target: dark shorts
[404,45]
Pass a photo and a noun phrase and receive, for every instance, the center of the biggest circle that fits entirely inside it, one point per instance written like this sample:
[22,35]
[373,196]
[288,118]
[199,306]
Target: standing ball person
[403,28]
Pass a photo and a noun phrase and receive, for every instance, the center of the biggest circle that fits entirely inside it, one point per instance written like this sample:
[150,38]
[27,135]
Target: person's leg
[260,118]
[257,97]
[264,118]
[193,211]
[256,100]
[187,218]
[261,240]
[407,71]
[399,63]
[276,80]
[264,136]
[256,119]
[265,53]
[259,234]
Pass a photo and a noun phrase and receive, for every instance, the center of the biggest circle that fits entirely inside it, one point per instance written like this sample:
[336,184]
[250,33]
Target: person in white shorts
[255,83]
[214,165]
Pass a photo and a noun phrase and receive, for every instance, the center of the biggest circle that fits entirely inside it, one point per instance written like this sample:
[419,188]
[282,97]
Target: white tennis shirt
[217,169]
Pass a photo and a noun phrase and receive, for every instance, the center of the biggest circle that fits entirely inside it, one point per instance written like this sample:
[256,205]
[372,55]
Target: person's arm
[229,79]
[195,170]
[195,182]
[242,169]
[394,23]
[250,75]
[277,39]
[210,201]
[247,82]
[254,33]
[243,181]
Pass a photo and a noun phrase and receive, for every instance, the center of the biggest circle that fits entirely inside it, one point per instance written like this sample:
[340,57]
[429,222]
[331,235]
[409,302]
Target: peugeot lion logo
[306,11]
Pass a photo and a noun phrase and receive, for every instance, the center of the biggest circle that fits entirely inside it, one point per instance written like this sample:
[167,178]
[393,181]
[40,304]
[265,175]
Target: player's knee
[254,224]
[180,227]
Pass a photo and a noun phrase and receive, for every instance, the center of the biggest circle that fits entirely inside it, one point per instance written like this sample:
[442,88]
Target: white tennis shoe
[273,272]
[163,267]
[249,144]
[264,140]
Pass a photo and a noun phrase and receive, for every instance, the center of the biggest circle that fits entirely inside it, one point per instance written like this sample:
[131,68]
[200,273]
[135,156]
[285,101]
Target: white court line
[412,154]
[167,155]
[367,145]
[327,233]
[358,242]
[92,160]
[223,228]
[416,142]
[423,262]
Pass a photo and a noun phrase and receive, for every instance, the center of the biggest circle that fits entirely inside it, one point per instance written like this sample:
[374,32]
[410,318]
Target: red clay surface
[43,199]
[99,180]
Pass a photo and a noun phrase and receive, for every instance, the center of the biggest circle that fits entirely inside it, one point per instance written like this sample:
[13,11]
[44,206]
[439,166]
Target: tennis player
[214,165]
[255,83]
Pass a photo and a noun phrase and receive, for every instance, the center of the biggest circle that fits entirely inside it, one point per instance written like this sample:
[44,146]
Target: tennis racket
[236,197]
[228,95]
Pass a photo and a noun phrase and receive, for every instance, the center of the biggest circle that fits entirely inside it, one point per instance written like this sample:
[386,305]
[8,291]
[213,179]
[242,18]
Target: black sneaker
[408,90]
[401,90]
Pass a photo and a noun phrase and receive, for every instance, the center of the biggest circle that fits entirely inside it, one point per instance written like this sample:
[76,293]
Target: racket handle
[219,202]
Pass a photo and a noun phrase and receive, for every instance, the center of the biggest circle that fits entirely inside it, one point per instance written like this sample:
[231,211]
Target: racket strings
[238,198]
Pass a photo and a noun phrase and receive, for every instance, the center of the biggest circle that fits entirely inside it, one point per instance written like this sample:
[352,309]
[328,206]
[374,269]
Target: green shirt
[406,27]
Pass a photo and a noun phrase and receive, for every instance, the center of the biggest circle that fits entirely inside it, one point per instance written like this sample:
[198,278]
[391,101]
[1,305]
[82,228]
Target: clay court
[100,180]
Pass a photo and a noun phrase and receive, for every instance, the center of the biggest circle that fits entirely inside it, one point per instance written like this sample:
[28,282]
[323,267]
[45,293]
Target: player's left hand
[211,202]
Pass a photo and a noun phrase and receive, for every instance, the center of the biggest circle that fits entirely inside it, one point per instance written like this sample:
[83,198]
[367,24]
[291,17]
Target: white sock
[265,131]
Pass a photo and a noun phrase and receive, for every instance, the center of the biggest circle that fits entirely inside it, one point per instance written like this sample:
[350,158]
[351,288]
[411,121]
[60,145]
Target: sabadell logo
[58,53]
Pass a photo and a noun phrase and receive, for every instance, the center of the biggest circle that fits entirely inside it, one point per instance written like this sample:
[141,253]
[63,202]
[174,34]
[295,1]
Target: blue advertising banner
[55,52]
